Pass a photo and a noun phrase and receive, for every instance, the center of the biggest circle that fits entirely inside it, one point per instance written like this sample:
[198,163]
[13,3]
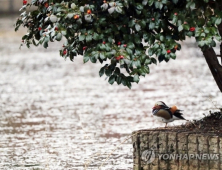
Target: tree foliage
[112,32]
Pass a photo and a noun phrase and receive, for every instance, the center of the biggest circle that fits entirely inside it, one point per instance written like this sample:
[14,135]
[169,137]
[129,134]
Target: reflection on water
[57,114]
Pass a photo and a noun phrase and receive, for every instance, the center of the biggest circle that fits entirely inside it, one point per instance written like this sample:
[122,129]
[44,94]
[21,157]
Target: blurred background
[10,6]
[58,114]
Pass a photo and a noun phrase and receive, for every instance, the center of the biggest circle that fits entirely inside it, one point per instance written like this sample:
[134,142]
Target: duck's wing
[164,114]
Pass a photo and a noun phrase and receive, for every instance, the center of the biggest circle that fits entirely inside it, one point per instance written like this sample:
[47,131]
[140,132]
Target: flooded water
[58,114]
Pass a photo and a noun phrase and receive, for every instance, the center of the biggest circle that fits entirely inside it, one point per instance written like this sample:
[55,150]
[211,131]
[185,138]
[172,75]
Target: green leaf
[102,56]
[173,56]
[136,78]
[200,22]
[102,47]
[146,69]
[82,37]
[81,8]
[111,10]
[85,58]
[218,38]
[153,60]
[152,39]
[96,36]
[137,39]
[137,63]
[201,43]
[119,80]
[34,1]
[139,6]
[218,21]
[93,59]
[213,43]
[186,27]
[143,23]
[117,71]
[45,44]
[34,43]
[158,4]
[119,9]
[175,1]
[138,27]
[101,71]
[131,23]
[88,38]
[145,2]
[151,25]
[175,18]
[151,2]
[128,84]
[148,61]
[130,45]
[129,51]
[180,28]
[112,79]
[161,38]
[59,36]
[24,37]
[150,52]
[192,5]
[108,71]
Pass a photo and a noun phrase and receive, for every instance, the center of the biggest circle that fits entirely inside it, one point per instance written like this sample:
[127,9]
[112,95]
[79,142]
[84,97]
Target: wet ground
[58,114]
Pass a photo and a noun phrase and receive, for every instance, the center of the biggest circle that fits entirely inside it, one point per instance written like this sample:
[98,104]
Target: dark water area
[58,114]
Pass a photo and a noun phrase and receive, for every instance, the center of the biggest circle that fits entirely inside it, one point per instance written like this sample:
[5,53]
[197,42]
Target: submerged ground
[58,114]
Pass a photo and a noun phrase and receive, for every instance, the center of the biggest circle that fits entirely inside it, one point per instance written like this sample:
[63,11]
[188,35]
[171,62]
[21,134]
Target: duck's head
[159,105]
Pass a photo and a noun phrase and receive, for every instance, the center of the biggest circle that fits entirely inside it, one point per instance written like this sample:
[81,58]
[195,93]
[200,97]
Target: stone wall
[165,150]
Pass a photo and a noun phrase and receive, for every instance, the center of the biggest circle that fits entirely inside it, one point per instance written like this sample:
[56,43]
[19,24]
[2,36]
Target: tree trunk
[213,62]
[214,65]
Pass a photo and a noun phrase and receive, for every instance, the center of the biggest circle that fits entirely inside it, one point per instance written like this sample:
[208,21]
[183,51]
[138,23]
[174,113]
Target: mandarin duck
[165,113]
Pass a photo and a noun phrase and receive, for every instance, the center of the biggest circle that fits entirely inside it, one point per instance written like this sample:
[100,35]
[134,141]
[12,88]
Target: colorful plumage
[166,114]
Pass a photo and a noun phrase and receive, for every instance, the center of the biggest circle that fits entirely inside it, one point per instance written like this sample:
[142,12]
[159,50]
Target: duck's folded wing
[164,114]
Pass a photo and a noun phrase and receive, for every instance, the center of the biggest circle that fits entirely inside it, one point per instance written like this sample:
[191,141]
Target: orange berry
[46,4]
[76,16]
[175,47]
[89,11]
